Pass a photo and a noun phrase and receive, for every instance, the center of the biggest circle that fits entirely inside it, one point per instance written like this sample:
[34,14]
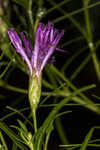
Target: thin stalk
[48,137]
[3,141]
[71,104]
[71,59]
[61,132]
[90,40]
[12,88]
[78,145]
[38,15]
[34,120]
[80,67]
[75,22]
[56,6]
[46,143]
[77,39]
[95,60]
[33,110]
[6,69]
[35,25]
[75,12]
[1,56]
[30,13]
[5,85]
[86,100]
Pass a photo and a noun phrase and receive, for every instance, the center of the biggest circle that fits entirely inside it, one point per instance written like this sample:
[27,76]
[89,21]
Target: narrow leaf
[23,3]
[15,138]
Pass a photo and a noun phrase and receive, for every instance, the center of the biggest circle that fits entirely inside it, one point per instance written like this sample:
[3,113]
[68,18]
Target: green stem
[74,21]
[32,148]
[47,139]
[30,13]
[85,100]
[35,25]
[38,16]
[61,132]
[33,110]
[95,60]
[90,39]
[34,120]
[31,145]
[12,88]
[59,19]
[3,141]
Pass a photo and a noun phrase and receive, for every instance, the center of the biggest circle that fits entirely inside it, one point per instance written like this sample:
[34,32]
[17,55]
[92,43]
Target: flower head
[46,40]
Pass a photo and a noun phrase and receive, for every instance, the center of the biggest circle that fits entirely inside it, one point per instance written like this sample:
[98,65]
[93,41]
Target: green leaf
[97,97]
[15,138]
[23,3]
[43,129]
[22,125]
[14,147]
[3,141]
[86,140]
[22,134]
[39,137]
[48,132]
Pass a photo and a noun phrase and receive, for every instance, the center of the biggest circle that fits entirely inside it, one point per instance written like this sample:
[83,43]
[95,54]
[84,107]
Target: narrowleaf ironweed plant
[46,40]
[64,96]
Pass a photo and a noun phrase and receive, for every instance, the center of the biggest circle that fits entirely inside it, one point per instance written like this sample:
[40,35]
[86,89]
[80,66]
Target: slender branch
[30,13]
[90,39]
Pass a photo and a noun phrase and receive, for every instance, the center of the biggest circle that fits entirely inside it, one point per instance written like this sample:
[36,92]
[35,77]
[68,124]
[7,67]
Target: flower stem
[34,121]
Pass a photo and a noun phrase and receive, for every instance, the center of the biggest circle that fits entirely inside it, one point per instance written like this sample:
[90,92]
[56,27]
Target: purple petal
[60,50]
[50,25]
[58,37]
[15,39]
[46,36]
[18,46]
[27,44]
[51,49]
[36,47]
[50,52]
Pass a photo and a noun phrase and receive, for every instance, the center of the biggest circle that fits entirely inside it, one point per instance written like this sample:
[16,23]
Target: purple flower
[46,40]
